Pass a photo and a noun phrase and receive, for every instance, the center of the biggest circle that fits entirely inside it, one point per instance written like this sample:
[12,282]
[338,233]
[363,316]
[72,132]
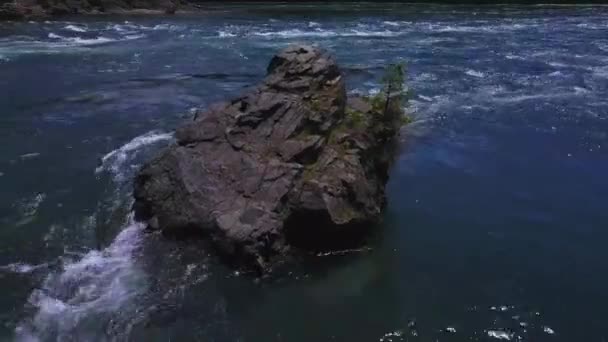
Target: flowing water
[496,225]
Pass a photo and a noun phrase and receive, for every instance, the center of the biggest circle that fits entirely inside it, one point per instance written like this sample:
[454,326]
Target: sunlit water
[496,222]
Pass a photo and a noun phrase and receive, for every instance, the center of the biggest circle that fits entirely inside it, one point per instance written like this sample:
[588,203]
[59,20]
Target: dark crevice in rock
[315,231]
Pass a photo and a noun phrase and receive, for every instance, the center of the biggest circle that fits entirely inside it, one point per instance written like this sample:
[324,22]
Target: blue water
[496,222]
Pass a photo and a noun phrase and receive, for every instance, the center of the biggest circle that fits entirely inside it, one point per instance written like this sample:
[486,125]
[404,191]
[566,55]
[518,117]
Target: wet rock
[288,166]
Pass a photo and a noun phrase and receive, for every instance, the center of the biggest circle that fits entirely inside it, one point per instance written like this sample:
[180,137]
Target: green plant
[354,118]
[393,95]
[393,87]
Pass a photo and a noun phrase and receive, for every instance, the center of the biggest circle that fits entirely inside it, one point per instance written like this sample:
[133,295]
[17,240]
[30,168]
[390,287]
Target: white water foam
[226,34]
[134,36]
[514,98]
[548,330]
[500,334]
[115,161]
[21,267]
[126,27]
[75,28]
[163,27]
[102,282]
[81,41]
[297,33]
[509,56]
[386,33]
[477,29]
[93,41]
[558,65]
[390,336]
[600,71]
[391,23]
[475,73]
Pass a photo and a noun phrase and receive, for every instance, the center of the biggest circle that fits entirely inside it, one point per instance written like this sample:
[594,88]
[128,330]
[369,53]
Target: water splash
[116,161]
[97,286]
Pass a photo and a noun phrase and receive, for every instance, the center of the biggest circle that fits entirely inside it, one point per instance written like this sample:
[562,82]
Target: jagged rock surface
[284,166]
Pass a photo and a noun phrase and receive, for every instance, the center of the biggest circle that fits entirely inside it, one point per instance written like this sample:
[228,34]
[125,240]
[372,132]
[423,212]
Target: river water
[497,217]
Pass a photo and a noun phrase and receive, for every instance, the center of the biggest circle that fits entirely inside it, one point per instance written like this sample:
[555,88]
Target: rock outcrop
[291,165]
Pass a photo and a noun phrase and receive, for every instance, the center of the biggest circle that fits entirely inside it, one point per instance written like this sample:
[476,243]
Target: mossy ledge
[291,167]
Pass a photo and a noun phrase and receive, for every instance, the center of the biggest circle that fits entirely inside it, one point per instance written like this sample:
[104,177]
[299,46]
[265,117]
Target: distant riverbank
[31,9]
[44,9]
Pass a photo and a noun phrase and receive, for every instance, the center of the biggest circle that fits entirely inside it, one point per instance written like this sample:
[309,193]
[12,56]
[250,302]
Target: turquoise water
[496,219]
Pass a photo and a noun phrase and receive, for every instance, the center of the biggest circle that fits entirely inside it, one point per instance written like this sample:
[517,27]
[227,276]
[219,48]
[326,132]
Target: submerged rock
[291,165]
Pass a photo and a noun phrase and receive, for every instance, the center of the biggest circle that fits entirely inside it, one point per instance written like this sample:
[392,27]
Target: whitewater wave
[116,161]
[513,98]
[391,23]
[164,27]
[475,73]
[509,56]
[443,28]
[80,41]
[226,34]
[98,285]
[126,27]
[75,28]
[56,44]
[297,33]
[90,41]
[386,29]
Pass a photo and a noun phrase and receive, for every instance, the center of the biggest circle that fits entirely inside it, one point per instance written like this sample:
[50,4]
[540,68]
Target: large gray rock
[284,167]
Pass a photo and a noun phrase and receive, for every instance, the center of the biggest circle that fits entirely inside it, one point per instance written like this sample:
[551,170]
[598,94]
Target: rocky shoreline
[291,166]
[39,9]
